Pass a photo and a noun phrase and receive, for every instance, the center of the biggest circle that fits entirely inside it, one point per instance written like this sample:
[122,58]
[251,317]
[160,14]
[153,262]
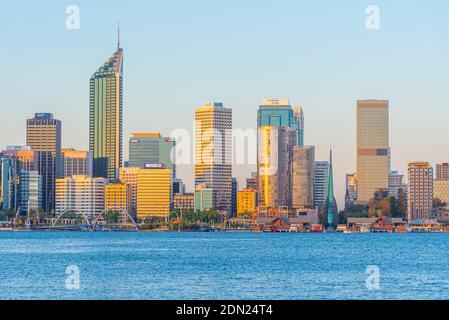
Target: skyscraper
[330,208]
[26,157]
[213,152]
[106,117]
[44,137]
[76,163]
[420,190]
[372,148]
[321,180]
[151,148]
[128,175]
[303,160]
[274,165]
[8,182]
[279,113]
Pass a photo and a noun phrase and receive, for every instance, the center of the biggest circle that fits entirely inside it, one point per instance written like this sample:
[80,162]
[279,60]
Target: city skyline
[386,75]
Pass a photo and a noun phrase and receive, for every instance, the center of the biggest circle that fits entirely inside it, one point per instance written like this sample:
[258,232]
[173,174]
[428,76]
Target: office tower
[8,182]
[204,198]
[30,190]
[152,148]
[372,148]
[442,171]
[106,117]
[251,183]
[279,113]
[128,175]
[396,183]
[303,160]
[235,188]
[117,196]
[441,190]
[44,137]
[213,152]
[26,157]
[154,191]
[320,182]
[80,194]
[330,207]
[76,163]
[274,149]
[246,202]
[420,190]
[184,201]
[178,186]
[351,189]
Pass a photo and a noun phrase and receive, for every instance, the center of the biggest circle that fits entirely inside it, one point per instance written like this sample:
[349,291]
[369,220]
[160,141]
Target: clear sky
[180,54]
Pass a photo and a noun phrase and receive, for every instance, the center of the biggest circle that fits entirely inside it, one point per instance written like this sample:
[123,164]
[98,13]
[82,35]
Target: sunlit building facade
[106,117]
[154,191]
[117,196]
[213,152]
[81,194]
[76,163]
[303,161]
[275,148]
[43,135]
[128,175]
[420,190]
[372,148]
[246,202]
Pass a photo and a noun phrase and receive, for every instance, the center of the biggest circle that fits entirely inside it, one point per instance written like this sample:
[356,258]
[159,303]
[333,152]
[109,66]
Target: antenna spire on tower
[118,35]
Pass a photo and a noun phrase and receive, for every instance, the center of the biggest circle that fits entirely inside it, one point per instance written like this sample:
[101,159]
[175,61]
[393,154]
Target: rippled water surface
[223,265]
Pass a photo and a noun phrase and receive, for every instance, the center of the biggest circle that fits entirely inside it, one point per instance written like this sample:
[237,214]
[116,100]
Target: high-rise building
[331,217]
[76,163]
[246,202]
[117,196]
[44,137]
[152,148]
[279,113]
[8,182]
[372,148]
[274,162]
[30,190]
[154,191]
[320,182]
[396,183]
[204,198]
[442,171]
[81,194]
[26,157]
[351,189]
[128,175]
[106,117]
[213,152]
[184,201]
[235,188]
[420,190]
[303,160]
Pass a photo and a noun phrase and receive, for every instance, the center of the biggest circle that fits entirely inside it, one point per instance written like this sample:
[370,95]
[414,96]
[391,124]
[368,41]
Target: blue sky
[180,54]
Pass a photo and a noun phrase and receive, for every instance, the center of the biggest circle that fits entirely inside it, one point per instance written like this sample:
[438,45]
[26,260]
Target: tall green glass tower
[106,116]
[330,208]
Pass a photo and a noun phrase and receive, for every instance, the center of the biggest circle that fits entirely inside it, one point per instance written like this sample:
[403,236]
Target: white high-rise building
[213,152]
[82,194]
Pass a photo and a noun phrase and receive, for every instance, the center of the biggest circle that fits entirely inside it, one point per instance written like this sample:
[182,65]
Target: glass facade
[279,113]
[106,117]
